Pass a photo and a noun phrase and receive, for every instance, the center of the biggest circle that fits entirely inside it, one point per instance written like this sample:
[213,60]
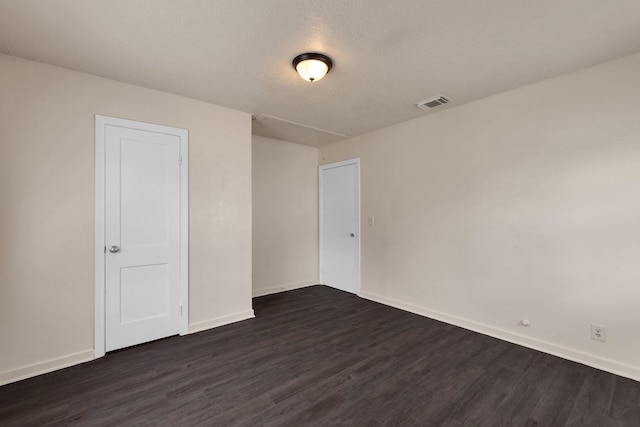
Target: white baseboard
[50,365]
[283,288]
[608,365]
[28,371]
[220,321]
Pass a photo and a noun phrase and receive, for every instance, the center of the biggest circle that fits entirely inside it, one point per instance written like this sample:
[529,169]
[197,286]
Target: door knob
[353,234]
[114,249]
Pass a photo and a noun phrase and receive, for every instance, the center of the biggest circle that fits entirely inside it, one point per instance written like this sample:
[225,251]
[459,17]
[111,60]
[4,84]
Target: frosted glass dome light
[312,66]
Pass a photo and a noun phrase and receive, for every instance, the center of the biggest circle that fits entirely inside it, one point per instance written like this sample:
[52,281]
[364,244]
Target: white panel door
[340,225]
[142,236]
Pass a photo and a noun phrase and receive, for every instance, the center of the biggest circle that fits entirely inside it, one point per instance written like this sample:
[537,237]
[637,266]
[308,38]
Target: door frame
[321,169]
[101,122]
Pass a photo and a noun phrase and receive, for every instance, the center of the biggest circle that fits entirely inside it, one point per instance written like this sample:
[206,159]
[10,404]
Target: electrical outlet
[598,333]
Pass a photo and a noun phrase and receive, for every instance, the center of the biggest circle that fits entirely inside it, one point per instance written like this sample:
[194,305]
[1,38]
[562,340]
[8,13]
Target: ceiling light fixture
[312,66]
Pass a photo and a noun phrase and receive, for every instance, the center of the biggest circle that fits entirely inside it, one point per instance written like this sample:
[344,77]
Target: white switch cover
[371,221]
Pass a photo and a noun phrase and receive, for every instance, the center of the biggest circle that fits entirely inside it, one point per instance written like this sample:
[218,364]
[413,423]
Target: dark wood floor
[318,356]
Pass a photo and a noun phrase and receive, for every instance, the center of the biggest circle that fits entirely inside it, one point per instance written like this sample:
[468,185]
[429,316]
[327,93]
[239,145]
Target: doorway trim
[321,169]
[101,122]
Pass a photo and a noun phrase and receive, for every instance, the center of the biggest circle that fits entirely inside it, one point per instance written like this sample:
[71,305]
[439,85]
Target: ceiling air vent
[433,102]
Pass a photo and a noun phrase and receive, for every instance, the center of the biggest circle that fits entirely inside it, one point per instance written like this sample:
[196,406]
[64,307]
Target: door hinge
[180,158]
[180,309]
[105,249]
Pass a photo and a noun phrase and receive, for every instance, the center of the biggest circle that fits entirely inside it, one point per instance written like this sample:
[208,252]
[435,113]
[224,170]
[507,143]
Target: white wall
[285,215]
[525,204]
[47,209]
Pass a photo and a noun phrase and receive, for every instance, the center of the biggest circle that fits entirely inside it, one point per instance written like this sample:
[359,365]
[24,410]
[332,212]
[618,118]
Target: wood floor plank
[278,414]
[316,414]
[593,400]
[321,357]
[625,405]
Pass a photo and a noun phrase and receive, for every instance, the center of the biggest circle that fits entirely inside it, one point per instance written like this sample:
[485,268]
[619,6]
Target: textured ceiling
[387,54]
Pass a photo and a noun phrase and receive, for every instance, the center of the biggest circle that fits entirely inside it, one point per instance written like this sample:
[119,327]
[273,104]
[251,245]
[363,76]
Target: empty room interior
[300,213]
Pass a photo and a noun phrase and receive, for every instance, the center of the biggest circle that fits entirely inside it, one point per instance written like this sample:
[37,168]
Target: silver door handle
[114,249]
[353,234]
